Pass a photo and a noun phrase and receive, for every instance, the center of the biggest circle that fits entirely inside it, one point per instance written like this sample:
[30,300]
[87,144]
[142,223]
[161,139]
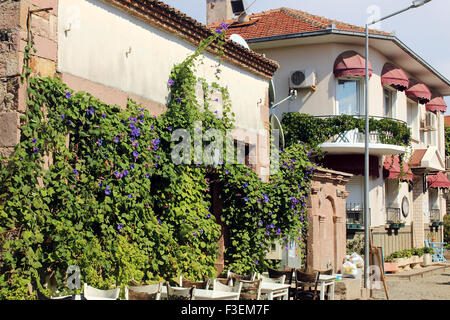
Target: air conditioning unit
[300,79]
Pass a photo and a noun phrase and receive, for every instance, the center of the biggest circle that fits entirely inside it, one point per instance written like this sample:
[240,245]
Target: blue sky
[425,30]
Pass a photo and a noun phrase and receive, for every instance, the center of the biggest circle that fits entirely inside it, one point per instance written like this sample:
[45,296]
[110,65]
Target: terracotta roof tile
[284,21]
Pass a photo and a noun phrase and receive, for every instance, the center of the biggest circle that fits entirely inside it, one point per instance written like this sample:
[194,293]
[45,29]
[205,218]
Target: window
[433,197]
[389,103]
[413,120]
[432,125]
[348,97]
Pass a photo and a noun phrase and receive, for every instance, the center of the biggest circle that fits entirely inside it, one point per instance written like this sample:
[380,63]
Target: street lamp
[415,4]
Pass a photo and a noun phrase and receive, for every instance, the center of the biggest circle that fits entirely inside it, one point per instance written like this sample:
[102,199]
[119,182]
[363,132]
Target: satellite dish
[237,38]
[276,125]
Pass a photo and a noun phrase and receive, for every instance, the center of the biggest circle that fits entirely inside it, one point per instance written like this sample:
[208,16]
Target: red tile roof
[284,21]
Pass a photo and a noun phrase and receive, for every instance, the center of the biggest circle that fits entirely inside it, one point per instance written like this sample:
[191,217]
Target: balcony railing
[435,215]
[393,215]
[355,136]
[355,216]
[394,218]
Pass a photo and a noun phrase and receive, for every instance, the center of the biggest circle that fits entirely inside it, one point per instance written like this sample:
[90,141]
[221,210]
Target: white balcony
[353,142]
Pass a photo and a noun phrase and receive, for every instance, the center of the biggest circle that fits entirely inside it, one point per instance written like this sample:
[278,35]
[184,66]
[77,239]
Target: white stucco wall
[95,48]
[321,58]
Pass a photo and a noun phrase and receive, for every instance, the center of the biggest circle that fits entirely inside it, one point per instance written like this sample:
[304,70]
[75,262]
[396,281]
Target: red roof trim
[351,64]
[395,77]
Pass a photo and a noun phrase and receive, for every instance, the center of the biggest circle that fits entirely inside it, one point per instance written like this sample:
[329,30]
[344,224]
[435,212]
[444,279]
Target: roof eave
[392,38]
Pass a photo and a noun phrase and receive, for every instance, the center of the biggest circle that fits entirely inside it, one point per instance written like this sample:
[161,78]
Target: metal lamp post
[415,4]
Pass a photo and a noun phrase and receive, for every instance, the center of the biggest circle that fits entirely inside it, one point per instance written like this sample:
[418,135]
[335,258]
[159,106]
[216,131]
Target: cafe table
[325,282]
[273,290]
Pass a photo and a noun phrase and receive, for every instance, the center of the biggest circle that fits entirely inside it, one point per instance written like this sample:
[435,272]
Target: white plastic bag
[349,270]
[357,260]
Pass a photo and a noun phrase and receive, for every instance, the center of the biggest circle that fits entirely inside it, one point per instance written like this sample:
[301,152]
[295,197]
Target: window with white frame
[348,97]
[389,101]
[431,122]
[413,119]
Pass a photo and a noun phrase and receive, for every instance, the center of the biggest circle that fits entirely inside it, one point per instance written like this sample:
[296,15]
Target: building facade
[323,60]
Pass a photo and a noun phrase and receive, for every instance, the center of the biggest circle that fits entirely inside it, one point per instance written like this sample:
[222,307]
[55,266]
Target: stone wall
[17,18]
[326,242]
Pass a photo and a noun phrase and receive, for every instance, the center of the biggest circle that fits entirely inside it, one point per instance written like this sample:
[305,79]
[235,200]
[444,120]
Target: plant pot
[416,262]
[427,259]
[391,267]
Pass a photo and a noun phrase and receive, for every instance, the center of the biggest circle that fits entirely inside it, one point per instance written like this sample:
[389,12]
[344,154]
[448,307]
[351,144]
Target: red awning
[351,64]
[395,77]
[418,92]
[392,170]
[438,180]
[351,163]
[437,104]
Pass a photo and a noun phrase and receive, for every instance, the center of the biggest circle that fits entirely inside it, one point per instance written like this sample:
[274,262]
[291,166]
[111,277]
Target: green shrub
[113,203]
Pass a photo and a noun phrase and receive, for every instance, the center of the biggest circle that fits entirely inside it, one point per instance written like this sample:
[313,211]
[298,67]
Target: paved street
[436,287]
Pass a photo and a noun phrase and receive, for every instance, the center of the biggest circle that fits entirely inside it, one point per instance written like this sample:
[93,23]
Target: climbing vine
[94,186]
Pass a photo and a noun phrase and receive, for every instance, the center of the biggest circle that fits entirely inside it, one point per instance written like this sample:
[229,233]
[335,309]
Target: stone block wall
[17,19]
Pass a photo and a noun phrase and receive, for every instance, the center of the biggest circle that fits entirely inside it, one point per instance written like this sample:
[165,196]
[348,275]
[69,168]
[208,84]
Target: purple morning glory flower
[34,141]
[99,142]
[135,154]
[218,31]
[209,215]
[132,166]
[147,175]
[245,185]
[90,111]
[227,172]
[125,173]
[35,150]
[224,26]
[119,227]
[116,139]
[260,223]
[179,99]
[171,82]
[246,199]
[62,116]
[278,231]
[107,191]
[130,196]
[256,261]
[68,95]
[103,115]
[75,171]
[169,128]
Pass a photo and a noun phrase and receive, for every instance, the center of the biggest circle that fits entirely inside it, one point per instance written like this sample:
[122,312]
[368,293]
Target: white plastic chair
[91,293]
[237,287]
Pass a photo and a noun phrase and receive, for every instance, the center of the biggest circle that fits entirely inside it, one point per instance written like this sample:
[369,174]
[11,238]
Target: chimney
[218,11]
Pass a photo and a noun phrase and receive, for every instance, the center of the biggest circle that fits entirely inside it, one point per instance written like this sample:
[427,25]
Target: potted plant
[427,258]
[389,265]
[417,257]
[396,224]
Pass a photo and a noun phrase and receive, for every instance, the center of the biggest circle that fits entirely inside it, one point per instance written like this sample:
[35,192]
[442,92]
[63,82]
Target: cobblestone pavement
[436,287]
